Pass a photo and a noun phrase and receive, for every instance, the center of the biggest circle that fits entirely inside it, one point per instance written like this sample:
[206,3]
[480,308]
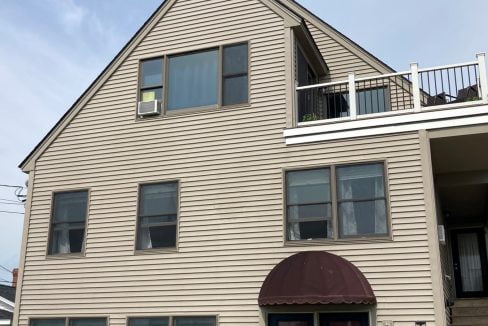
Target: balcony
[430,98]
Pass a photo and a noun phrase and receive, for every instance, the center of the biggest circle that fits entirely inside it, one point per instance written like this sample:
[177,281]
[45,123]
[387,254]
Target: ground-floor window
[319,319]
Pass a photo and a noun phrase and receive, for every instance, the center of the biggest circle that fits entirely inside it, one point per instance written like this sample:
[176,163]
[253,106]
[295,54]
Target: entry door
[355,319]
[470,263]
[290,320]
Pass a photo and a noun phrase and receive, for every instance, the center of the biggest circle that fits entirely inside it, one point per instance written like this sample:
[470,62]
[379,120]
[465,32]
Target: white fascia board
[389,130]
[5,322]
[6,304]
[388,124]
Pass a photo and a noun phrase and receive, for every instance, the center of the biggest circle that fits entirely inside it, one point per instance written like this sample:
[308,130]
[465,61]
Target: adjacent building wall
[230,165]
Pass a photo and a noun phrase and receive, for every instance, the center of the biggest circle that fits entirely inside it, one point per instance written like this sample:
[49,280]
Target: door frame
[480,232]
[364,316]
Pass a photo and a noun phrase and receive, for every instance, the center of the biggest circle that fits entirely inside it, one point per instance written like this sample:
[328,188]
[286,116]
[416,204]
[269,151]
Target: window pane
[235,59]
[361,181]
[158,199]
[309,186]
[149,95]
[148,322]
[157,237]
[47,322]
[235,90]
[371,101]
[152,73]
[193,80]
[363,218]
[337,105]
[195,321]
[321,211]
[67,241]
[310,230]
[70,206]
[88,322]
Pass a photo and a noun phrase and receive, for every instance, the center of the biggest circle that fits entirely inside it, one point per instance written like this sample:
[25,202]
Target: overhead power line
[5,268]
[9,212]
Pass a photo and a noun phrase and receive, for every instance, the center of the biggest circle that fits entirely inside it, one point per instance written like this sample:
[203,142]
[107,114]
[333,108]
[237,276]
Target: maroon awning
[315,277]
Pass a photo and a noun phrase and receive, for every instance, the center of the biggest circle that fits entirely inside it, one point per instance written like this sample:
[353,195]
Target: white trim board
[389,125]
[6,304]
[5,322]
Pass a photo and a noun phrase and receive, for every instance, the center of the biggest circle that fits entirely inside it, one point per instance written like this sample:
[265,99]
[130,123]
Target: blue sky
[51,50]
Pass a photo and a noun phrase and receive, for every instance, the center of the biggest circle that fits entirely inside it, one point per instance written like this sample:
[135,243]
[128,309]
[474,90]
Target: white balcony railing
[414,91]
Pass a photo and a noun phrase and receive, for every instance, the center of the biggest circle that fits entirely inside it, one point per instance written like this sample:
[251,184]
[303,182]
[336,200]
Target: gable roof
[318,22]
[294,15]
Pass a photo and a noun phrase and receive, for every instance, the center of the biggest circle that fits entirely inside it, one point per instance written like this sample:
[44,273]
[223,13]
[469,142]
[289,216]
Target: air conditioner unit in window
[149,108]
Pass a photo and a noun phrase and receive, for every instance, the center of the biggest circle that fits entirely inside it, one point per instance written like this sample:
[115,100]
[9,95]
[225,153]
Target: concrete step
[470,321]
[470,303]
[469,311]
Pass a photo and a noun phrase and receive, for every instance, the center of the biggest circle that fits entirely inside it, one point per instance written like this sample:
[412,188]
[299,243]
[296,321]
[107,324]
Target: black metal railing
[449,85]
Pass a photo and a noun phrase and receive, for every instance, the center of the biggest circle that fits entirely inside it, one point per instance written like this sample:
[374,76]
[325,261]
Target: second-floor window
[358,206]
[201,79]
[158,216]
[68,222]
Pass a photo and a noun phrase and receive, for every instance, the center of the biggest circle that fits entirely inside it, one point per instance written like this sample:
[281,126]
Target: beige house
[243,163]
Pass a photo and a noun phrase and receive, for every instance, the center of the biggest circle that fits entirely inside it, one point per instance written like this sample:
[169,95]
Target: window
[151,80]
[194,321]
[371,100]
[158,212]
[359,207]
[68,222]
[208,78]
[87,322]
[309,207]
[149,321]
[235,78]
[69,322]
[193,80]
[362,201]
[48,322]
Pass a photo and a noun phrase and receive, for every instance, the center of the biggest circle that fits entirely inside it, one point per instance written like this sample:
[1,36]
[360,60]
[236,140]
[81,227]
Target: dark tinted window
[88,322]
[235,79]
[47,322]
[148,322]
[158,210]
[195,321]
[68,222]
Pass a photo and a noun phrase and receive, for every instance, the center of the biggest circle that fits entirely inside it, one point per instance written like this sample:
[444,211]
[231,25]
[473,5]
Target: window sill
[66,256]
[331,242]
[157,251]
[194,111]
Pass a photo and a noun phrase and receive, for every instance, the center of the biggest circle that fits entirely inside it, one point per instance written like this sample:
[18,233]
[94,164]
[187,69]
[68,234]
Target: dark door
[470,262]
[290,320]
[352,319]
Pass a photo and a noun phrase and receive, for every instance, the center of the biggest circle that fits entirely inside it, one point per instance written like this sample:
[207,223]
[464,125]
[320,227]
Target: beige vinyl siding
[340,60]
[230,166]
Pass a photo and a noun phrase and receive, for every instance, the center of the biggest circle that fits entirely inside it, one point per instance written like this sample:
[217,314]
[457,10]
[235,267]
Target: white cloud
[71,14]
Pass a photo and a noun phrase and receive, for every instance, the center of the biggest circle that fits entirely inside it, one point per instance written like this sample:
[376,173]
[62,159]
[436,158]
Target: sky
[51,50]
